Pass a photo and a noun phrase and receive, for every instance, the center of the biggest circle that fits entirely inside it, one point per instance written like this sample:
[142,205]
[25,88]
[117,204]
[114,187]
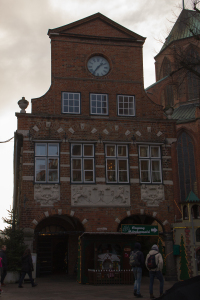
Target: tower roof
[187,25]
[192,198]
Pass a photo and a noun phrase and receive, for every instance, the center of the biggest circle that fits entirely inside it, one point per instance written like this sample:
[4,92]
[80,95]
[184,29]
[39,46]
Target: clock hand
[99,66]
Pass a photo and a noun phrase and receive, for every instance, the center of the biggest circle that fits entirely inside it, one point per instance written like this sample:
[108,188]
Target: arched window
[165,68]
[169,95]
[198,235]
[186,165]
[185,212]
[195,211]
[192,79]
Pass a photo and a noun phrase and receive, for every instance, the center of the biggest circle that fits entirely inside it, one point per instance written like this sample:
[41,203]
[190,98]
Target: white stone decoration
[117,220]
[60,130]
[165,222]
[46,194]
[84,221]
[60,211]
[148,129]
[159,133]
[48,124]
[35,128]
[72,213]
[82,125]
[138,133]
[171,140]
[46,213]
[116,127]
[71,130]
[127,132]
[105,131]
[100,195]
[35,222]
[128,213]
[152,194]
[94,130]
[23,132]
[142,211]
[154,214]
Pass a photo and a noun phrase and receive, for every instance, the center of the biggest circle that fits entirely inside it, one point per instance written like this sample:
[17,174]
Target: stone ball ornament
[23,104]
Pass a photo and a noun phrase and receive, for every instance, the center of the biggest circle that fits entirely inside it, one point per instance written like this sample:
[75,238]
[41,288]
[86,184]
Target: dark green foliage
[184,270]
[13,238]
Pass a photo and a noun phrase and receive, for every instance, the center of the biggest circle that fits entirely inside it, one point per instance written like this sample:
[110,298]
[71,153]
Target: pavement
[57,287]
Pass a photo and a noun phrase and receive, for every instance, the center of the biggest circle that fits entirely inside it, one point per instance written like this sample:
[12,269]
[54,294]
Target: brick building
[179,89]
[94,153]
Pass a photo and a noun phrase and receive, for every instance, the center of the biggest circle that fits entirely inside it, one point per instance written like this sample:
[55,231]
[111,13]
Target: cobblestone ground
[63,287]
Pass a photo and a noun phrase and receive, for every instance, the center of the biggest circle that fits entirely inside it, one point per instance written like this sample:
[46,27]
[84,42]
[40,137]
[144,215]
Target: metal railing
[110,276]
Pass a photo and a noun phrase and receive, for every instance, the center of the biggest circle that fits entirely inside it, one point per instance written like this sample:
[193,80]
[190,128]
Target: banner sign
[140,229]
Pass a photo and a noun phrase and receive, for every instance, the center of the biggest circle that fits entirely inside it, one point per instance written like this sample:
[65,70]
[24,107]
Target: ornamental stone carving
[100,195]
[46,194]
[152,194]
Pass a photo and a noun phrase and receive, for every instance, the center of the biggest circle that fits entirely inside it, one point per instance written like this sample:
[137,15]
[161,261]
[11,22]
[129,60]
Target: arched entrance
[56,240]
[146,241]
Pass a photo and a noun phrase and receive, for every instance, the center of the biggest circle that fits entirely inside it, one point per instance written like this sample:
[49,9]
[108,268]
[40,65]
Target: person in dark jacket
[137,270]
[4,264]
[27,267]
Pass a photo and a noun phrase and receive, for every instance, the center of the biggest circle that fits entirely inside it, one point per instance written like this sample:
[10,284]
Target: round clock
[98,65]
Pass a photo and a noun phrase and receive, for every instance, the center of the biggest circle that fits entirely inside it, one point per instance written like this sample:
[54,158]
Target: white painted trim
[27,178]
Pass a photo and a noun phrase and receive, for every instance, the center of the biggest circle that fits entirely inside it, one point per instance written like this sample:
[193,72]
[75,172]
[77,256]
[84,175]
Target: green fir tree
[184,270]
[13,238]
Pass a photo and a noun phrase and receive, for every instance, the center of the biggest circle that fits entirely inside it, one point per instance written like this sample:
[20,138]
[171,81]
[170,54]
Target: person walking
[27,267]
[154,263]
[136,260]
[4,264]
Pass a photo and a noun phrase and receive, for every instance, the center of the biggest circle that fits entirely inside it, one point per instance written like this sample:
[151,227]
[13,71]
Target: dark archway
[57,244]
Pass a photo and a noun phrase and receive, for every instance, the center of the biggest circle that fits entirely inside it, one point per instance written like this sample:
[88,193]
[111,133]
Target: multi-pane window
[126,105]
[71,103]
[47,162]
[150,164]
[99,104]
[117,164]
[82,163]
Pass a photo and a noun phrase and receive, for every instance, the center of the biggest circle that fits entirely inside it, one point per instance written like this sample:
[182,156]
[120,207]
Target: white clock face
[98,66]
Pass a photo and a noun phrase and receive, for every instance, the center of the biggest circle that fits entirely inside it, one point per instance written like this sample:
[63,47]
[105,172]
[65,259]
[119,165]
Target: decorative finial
[23,104]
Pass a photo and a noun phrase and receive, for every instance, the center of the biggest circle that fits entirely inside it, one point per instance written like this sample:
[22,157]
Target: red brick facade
[71,46]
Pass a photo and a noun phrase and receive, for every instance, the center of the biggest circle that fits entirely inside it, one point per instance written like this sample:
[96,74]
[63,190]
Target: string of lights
[7,140]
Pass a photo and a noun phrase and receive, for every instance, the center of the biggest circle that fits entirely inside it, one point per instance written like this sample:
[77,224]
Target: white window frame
[71,105]
[82,158]
[123,108]
[150,159]
[101,107]
[46,157]
[116,158]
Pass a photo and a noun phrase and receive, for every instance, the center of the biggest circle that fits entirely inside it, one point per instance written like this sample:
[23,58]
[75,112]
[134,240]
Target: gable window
[117,164]
[195,210]
[126,105]
[47,162]
[185,212]
[71,103]
[99,104]
[150,164]
[82,163]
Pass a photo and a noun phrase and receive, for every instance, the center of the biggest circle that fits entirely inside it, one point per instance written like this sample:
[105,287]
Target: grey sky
[25,53]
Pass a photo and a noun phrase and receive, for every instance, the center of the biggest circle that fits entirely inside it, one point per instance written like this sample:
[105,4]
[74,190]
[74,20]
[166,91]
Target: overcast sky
[25,54]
